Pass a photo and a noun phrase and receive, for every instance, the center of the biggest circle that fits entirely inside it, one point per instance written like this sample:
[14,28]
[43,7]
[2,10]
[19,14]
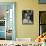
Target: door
[7,11]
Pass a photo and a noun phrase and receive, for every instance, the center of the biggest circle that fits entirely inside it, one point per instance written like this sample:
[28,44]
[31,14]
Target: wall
[28,31]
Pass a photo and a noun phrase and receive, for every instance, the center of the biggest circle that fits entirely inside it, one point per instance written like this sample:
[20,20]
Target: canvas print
[7,28]
[27,17]
[42,22]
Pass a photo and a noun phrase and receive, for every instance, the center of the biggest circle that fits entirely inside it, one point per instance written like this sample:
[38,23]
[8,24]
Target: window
[42,22]
[42,1]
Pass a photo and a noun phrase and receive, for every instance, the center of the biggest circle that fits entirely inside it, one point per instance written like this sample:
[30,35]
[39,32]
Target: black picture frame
[42,1]
[27,15]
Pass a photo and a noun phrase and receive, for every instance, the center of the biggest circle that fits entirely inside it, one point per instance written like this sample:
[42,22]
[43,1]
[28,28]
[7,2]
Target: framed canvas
[27,17]
[42,1]
[7,20]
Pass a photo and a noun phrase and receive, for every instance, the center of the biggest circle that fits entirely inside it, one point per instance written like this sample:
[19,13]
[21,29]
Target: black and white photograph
[27,17]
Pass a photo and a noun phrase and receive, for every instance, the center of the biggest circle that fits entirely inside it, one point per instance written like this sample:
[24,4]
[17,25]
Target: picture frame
[42,1]
[27,17]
